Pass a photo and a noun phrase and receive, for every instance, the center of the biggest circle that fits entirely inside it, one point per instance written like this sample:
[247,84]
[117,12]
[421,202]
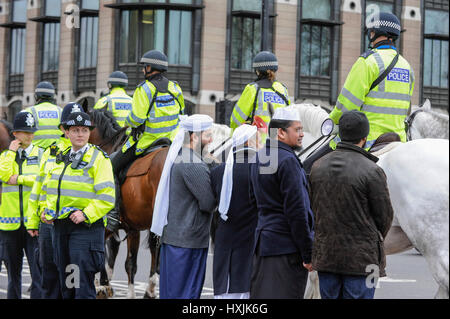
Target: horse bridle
[408,123]
[109,141]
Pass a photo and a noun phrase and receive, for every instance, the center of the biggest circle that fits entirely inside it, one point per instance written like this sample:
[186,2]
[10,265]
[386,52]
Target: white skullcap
[241,135]
[287,113]
[193,123]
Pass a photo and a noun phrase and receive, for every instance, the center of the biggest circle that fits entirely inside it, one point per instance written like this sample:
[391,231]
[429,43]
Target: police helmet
[384,23]
[264,61]
[118,78]
[70,108]
[156,59]
[24,122]
[79,119]
[44,90]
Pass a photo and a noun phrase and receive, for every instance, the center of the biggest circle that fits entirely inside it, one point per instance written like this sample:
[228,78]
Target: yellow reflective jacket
[118,102]
[158,110]
[256,98]
[387,105]
[47,117]
[88,187]
[36,201]
[14,202]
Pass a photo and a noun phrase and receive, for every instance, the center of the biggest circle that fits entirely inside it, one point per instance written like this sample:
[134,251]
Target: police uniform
[118,102]
[257,95]
[47,116]
[81,180]
[14,239]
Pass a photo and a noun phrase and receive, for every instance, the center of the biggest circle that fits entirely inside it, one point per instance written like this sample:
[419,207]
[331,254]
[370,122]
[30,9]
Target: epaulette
[366,54]
[141,84]
[104,153]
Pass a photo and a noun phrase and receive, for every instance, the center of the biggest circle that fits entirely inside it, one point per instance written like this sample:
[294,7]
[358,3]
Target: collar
[278,144]
[117,90]
[385,44]
[351,147]
[84,149]
[27,150]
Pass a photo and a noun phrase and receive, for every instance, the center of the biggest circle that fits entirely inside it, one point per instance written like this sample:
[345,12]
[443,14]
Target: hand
[44,220]
[77,217]
[14,146]
[33,233]
[308,266]
[13,180]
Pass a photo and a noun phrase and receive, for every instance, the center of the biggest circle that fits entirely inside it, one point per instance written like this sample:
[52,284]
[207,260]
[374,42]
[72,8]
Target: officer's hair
[274,125]
[269,74]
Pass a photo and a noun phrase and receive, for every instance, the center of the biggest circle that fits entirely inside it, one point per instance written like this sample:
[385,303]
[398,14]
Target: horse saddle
[384,140]
[141,165]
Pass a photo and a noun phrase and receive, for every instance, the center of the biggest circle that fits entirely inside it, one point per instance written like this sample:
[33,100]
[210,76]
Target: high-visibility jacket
[387,105]
[158,109]
[47,117]
[88,187]
[255,98]
[118,102]
[48,162]
[14,203]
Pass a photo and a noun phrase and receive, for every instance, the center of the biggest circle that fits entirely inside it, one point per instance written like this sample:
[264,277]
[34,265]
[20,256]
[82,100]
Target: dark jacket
[353,211]
[285,219]
[235,237]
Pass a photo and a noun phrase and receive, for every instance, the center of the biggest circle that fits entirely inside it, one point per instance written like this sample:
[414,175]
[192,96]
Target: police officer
[256,96]
[118,102]
[19,166]
[157,104]
[79,192]
[384,97]
[47,115]
[51,288]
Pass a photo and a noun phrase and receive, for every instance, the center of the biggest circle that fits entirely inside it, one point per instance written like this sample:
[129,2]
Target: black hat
[118,78]
[78,119]
[384,23]
[70,108]
[156,59]
[353,126]
[24,122]
[45,89]
[264,61]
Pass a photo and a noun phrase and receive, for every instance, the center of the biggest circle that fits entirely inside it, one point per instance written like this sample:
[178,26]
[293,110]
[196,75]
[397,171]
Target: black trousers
[278,277]
[119,160]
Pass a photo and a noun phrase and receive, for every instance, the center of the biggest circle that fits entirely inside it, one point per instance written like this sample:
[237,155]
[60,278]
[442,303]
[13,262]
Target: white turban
[194,123]
[241,135]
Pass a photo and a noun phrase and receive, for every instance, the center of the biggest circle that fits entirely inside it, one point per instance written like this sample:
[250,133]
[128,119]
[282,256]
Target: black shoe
[113,221]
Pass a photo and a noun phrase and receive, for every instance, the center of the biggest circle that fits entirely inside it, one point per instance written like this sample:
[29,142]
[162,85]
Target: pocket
[97,253]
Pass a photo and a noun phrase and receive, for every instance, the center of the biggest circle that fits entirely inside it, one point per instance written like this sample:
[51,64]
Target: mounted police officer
[118,102]
[51,287]
[256,96]
[157,104]
[19,166]
[47,115]
[79,193]
[380,84]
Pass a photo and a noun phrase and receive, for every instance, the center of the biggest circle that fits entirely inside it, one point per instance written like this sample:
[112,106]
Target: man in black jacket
[353,214]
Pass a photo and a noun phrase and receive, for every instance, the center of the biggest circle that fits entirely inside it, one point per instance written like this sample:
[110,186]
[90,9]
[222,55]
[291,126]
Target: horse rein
[408,123]
[109,141]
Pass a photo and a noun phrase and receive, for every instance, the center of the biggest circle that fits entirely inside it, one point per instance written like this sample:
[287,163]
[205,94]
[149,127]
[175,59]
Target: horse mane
[9,128]
[106,124]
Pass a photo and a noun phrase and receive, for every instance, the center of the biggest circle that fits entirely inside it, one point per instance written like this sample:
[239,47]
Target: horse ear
[426,105]
[85,105]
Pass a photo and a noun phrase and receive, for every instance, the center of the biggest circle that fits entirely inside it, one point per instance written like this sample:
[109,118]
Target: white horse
[417,174]
[428,123]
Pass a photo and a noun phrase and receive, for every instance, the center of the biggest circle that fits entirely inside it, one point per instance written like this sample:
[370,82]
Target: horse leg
[150,292]
[396,241]
[131,261]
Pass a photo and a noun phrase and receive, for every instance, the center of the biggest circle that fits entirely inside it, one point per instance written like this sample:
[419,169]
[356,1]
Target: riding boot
[113,217]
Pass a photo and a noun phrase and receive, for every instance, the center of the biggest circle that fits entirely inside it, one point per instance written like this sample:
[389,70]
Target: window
[53,8]
[171,26]
[19,11]
[245,42]
[319,33]
[87,47]
[392,6]
[435,53]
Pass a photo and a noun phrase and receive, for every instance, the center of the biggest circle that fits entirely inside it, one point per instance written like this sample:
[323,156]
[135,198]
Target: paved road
[408,276]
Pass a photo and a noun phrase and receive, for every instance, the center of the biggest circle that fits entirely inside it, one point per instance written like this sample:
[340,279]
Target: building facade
[210,44]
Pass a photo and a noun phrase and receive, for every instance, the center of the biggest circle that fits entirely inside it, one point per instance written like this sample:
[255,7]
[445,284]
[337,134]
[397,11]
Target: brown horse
[138,193]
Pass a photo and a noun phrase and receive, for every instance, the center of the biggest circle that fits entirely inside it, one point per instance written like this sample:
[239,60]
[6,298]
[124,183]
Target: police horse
[417,175]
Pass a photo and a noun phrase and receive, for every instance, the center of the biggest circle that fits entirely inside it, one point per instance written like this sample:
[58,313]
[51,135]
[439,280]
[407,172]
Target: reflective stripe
[369,144]
[121,119]
[34,197]
[163,118]
[349,95]
[46,137]
[49,127]
[384,110]
[262,112]
[106,198]
[15,189]
[341,106]
[136,119]
[389,95]
[40,179]
[91,163]
[148,91]
[76,179]
[380,63]
[235,120]
[158,130]
[241,114]
[71,193]
[104,185]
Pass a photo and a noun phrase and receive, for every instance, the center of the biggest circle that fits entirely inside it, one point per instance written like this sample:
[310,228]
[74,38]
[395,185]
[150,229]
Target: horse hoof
[147,296]
[104,292]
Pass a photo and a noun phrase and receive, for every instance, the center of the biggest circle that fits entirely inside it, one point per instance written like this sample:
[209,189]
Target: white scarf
[194,123]
[241,135]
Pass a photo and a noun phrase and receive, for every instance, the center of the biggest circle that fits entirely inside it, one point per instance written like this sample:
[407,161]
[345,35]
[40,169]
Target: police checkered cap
[70,108]
[385,22]
[156,59]
[118,78]
[79,119]
[45,89]
[264,61]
